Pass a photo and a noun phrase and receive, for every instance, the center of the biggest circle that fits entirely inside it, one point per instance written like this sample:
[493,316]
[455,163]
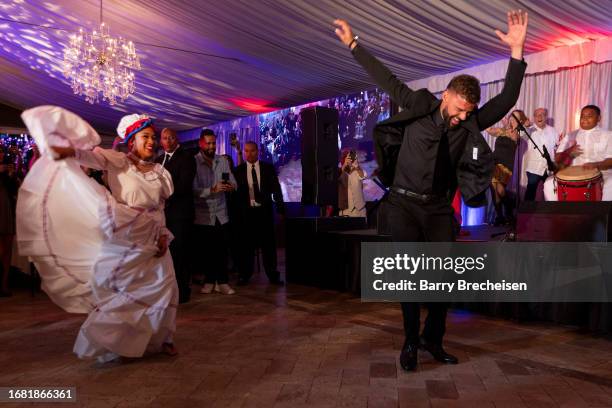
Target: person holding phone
[350,186]
[212,180]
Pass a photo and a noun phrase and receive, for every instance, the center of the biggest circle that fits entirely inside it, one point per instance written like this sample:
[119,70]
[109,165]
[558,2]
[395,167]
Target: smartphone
[225,177]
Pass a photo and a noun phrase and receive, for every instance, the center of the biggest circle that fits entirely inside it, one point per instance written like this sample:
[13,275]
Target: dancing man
[440,147]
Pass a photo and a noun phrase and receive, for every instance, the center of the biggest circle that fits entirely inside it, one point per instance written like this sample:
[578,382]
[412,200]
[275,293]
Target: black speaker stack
[319,156]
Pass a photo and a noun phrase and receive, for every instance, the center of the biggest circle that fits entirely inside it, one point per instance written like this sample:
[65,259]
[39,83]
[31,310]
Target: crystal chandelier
[98,64]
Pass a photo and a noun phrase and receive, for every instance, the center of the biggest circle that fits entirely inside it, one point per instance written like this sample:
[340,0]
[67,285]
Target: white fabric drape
[551,60]
[287,50]
[563,93]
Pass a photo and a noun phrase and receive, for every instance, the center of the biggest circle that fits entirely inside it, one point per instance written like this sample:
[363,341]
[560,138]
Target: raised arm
[495,109]
[97,159]
[397,90]
[495,132]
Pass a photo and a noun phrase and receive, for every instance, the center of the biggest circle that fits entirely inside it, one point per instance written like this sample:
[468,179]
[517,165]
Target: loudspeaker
[565,221]
[319,156]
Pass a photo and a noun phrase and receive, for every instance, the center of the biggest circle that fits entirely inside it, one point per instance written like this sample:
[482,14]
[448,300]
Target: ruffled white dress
[95,250]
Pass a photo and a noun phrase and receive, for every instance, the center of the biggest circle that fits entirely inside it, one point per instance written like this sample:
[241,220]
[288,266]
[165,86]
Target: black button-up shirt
[429,156]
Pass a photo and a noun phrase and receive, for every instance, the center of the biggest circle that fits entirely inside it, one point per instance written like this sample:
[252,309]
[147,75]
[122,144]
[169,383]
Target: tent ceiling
[275,53]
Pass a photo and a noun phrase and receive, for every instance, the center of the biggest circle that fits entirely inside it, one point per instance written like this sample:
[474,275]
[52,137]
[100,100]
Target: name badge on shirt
[475,153]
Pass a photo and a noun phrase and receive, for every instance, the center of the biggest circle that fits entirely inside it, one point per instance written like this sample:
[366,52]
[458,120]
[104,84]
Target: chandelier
[98,64]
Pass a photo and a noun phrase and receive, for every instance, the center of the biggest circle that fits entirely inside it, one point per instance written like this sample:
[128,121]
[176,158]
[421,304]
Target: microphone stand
[511,234]
[551,165]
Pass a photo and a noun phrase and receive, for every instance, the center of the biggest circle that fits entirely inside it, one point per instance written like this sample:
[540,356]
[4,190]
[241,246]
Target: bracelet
[355,38]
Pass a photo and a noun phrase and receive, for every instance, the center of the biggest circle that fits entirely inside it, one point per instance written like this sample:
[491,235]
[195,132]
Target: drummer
[589,147]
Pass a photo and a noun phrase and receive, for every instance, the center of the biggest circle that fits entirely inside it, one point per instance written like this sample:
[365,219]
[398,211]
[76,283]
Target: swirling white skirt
[97,256]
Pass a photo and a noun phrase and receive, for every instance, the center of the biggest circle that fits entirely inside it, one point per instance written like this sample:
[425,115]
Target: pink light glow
[253,105]
[571,38]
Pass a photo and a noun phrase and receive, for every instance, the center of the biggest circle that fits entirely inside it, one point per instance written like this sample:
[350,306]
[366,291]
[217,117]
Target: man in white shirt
[535,165]
[350,191]
[590,147]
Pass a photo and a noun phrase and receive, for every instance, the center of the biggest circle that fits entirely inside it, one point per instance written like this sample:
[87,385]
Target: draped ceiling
[267,54]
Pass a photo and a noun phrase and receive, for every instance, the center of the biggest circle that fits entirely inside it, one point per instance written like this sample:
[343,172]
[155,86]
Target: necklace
[142,166]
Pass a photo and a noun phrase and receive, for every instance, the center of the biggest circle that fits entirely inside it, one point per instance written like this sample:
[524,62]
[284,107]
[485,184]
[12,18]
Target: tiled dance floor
[300,346]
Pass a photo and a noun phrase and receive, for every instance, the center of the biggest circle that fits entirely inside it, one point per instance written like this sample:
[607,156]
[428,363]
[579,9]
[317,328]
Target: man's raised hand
[344,32]
[517,30]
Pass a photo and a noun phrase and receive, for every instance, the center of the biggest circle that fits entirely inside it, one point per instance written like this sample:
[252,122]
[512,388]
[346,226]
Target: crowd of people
[124,248]
[149,216]
[280,131]
[17,155]
[358,114]
[583,156]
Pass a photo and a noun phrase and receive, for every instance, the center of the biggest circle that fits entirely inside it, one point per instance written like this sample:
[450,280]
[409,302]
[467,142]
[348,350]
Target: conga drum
[575,183]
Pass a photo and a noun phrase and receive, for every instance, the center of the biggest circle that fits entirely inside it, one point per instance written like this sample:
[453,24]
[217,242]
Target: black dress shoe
[242,282]
[439,354]
[408,357]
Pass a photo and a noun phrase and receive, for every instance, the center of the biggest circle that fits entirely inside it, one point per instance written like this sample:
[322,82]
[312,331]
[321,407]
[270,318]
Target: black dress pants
[210,251]
[416,221]
[533,181]
[259,234]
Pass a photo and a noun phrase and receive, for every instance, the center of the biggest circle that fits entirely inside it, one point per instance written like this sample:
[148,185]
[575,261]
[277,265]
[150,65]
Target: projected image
[279,136]
[18,152]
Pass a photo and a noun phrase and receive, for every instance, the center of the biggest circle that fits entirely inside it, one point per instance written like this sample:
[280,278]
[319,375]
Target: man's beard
[448,118]
[210,154]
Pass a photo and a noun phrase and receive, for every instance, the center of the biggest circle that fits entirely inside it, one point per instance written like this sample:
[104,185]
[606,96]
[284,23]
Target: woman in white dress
[97,252]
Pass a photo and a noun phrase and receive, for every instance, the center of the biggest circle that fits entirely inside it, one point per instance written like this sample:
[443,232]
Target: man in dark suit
[428,149]
[179,207]
[257,185]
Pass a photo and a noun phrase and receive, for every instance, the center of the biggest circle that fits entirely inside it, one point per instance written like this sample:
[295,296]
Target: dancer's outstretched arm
[97,159]
[384,78]
[495,109]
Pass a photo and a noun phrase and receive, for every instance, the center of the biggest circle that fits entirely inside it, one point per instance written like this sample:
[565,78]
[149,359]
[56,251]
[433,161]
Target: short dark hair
[252,143]
[466,86]
[207,132]
[594,107]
